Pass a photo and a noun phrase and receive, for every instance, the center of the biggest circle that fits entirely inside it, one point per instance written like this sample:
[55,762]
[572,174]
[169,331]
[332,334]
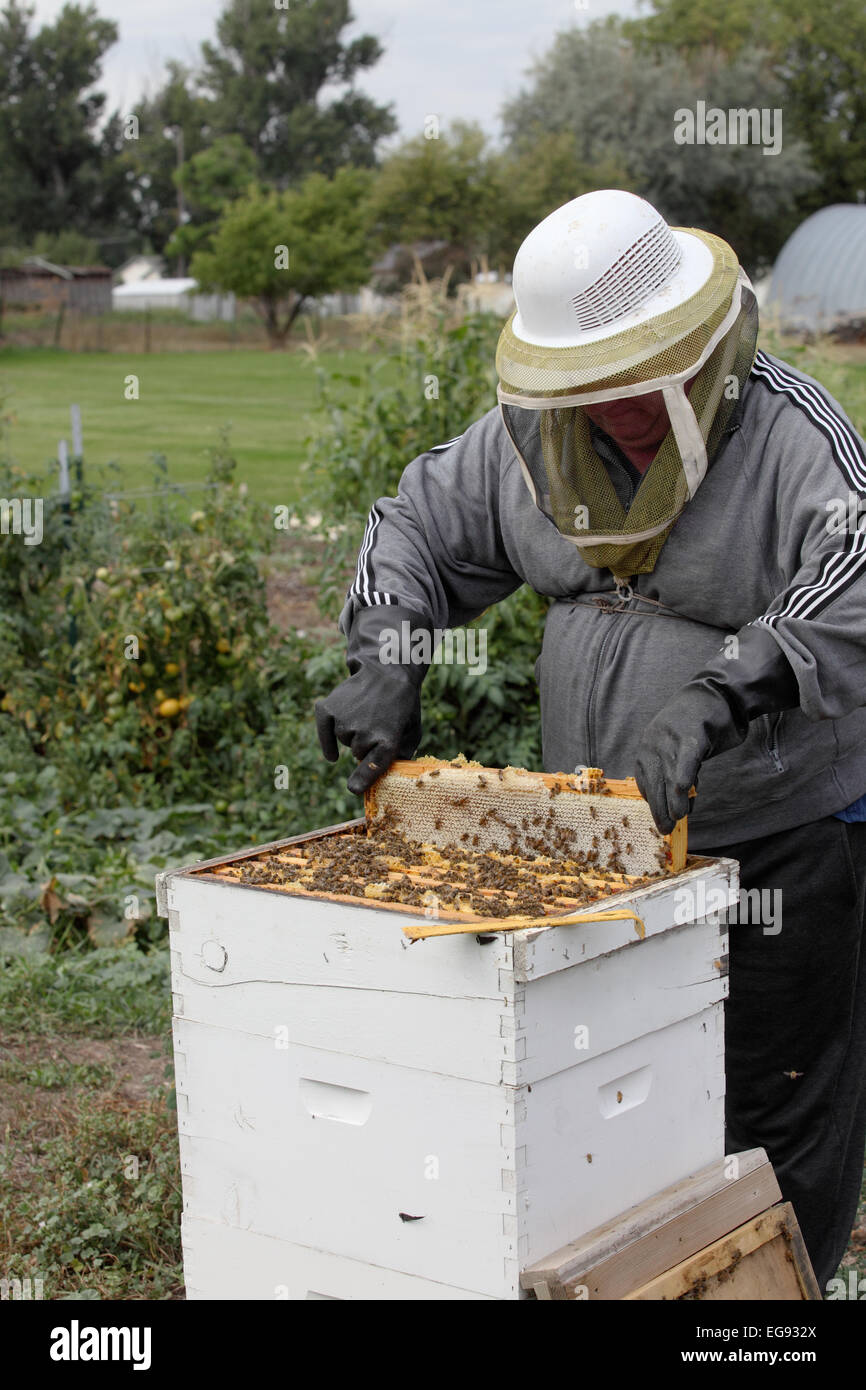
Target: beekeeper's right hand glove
[377,712]
[711,715]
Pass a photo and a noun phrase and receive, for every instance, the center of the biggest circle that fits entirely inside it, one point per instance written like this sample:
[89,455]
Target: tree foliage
[279,249]
[253,109]
[173,128]
[52,151]
[213,178]
[618,102]
[817,54]
[459,188]
[264,73]
[440,188]
[541,170]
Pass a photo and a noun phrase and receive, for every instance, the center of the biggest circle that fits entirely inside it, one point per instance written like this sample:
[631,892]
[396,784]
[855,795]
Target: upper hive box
[367,1116]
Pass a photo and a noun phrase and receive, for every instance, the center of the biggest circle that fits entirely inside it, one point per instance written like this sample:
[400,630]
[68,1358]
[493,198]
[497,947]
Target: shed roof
[38,265]
[819,278]
[154,289]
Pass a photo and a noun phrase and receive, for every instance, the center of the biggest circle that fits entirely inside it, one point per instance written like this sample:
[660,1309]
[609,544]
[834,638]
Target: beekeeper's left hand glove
[708,716]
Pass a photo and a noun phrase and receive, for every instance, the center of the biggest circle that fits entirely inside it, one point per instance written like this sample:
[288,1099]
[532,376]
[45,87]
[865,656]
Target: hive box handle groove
[325,1101]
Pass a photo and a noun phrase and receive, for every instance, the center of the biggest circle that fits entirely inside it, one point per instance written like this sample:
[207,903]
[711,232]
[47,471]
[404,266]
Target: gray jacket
[770,537]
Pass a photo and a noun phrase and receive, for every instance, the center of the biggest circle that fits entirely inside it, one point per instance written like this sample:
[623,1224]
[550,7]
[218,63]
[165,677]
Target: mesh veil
[658,354]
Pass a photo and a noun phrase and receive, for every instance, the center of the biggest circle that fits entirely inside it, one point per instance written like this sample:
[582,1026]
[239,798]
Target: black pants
[795,1024]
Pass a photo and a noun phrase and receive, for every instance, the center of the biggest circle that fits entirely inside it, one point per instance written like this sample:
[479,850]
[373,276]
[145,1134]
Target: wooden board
[663,1231]
[422,931]
[228,1264]
[763,1259]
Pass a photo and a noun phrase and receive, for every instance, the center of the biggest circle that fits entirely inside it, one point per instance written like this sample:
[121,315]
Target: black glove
[708,716]
[377,712]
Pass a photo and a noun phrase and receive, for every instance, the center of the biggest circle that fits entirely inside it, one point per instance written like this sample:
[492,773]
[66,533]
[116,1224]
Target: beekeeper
[677,495]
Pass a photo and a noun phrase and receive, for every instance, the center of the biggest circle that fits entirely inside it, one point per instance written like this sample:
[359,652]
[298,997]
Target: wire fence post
[63,461]
[58,323]
[78,448]
[77,443]
[66,507]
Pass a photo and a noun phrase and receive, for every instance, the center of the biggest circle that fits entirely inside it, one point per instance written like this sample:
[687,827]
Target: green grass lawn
[268,399]
[840,367]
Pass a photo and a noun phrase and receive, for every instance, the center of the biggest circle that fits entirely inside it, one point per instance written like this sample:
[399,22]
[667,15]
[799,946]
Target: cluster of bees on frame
[524,867]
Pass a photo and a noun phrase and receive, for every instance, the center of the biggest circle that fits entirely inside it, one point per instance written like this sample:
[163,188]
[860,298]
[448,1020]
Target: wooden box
[721,1234]
[364,1117]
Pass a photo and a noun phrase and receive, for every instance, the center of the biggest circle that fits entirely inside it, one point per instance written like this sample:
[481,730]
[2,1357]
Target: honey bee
[438,822]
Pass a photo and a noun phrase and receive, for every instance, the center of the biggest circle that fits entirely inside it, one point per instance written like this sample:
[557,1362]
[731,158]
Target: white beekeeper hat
[612,302]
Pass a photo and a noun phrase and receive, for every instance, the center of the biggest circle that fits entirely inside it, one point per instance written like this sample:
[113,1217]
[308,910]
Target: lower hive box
[409,1067]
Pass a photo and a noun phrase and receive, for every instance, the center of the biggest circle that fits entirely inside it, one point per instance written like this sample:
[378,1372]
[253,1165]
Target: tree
[441,189]
[265,72]
[816,53]
[457,189]
[66,248]
[214,177]
[57,169]
[280,249]
[618,102]
[171,127]
[539,173]
[687,26]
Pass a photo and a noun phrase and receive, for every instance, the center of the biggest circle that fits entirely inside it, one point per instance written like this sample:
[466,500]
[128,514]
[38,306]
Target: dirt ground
[136,1065]
[293,602]
[291,577]
[123,1068]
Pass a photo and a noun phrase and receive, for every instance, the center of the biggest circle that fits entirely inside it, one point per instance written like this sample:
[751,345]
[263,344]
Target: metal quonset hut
[819,279]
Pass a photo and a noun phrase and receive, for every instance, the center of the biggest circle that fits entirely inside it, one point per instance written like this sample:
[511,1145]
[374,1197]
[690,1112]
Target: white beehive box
[361,1117]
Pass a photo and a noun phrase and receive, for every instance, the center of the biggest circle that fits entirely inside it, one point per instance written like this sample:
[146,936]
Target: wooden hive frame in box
[460,804]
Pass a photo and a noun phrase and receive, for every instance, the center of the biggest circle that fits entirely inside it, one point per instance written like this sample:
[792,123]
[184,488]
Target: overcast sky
[457,58]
